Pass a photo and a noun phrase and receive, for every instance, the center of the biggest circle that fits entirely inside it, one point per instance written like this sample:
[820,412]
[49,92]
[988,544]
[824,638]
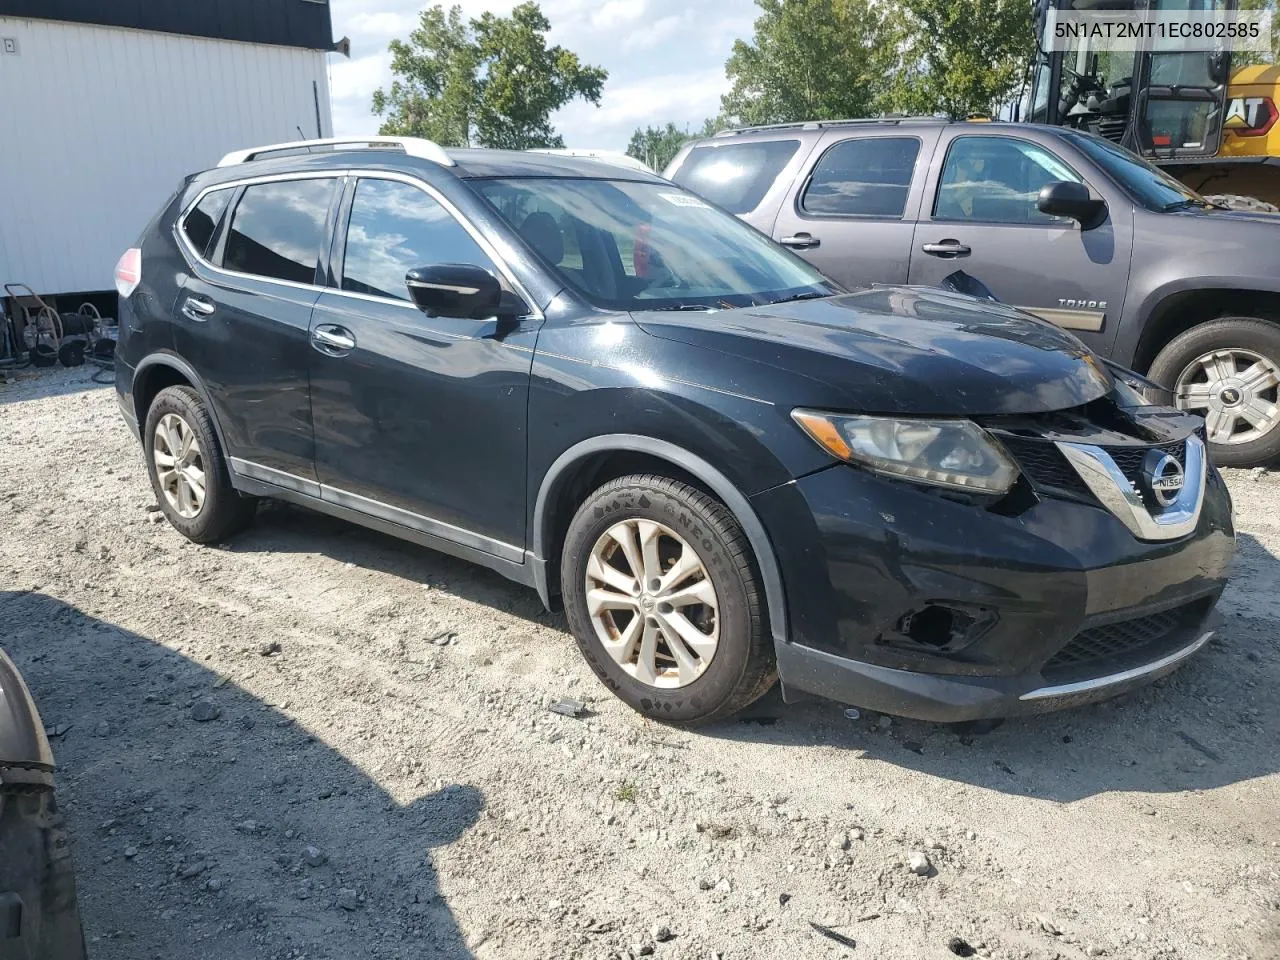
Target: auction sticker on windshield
[682,199]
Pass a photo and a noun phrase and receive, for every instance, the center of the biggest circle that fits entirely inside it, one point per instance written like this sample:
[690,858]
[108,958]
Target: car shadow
[1209,724]
[39,383]
[243,836]
[1214,722]
[281,527]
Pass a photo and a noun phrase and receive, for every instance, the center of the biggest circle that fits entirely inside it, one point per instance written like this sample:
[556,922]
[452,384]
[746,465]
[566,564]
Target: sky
[665,59]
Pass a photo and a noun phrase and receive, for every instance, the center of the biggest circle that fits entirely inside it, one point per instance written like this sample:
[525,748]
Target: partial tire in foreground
[1234,201]
[187,469]
[663,598]
[39,915]
[1228,371]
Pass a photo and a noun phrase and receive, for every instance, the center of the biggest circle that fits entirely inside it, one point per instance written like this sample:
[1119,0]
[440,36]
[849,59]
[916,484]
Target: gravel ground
[321,742]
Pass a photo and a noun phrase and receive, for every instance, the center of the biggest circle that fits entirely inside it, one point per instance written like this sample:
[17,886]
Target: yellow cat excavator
[1213,127]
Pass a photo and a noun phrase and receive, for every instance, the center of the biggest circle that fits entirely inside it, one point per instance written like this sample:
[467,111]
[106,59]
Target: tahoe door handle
[946,249]
[333,340]
[197,308]
[800,241]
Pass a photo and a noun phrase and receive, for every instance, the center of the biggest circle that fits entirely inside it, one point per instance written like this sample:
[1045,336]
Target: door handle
[947,249]
[197,308]
[333,340]
[800,241]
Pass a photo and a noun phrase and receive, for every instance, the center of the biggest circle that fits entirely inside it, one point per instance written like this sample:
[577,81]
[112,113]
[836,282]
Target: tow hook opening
[939,628]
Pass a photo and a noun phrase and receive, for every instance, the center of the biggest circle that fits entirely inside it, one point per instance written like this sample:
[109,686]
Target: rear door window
[735,176]
[867,177]
[395,227]
[278,229]
[200,224]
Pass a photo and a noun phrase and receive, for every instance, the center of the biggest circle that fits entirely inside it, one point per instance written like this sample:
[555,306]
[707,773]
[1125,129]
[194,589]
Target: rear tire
[694,547]
[204,510]
[1237,341]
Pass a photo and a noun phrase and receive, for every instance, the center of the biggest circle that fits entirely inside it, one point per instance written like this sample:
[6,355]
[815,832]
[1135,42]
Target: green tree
[810,60]
[657,146]
[960,57]
[491,82]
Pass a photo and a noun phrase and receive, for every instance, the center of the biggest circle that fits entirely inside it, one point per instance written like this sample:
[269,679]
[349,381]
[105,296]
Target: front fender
[564,467]
[25,756]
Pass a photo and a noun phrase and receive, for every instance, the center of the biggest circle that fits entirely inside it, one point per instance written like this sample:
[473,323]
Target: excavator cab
[1166,106]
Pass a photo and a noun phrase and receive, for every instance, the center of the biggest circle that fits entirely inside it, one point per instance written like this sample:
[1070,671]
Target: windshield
[647,246]
[1150,186]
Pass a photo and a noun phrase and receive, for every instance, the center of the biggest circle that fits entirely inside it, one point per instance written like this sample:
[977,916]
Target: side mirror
[1219,66]
[460,290]
[1065,198]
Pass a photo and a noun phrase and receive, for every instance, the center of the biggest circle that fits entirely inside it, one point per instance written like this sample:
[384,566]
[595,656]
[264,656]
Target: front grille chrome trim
[1115,491]
[1114,679]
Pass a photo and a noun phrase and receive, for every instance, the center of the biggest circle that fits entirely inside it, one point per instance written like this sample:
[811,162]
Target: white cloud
[685,99]
[351,86]
[618,13]
[665,59]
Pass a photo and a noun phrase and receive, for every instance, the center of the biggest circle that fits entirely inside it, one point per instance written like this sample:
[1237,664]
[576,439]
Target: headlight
[956,454]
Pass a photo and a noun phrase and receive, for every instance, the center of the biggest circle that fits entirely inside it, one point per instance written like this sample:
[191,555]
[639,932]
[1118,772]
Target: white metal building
[106,106]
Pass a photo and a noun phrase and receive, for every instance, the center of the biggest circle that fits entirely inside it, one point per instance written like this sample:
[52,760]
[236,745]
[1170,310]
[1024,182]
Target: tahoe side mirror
[460,290]
[1064,198]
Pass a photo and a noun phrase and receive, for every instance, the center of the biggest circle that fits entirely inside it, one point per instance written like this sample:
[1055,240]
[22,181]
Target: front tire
[1228,371]
[664,601]
[188,471]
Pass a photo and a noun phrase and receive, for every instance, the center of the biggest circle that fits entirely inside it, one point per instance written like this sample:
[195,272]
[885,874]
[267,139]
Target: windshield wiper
[1188,202]
[700,307]
[807,295]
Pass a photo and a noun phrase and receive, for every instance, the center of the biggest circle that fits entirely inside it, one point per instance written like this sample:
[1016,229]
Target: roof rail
[823,124]
[412,146]
[616,157]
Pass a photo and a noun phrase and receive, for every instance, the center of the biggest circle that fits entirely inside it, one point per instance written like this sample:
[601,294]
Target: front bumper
[1055,606]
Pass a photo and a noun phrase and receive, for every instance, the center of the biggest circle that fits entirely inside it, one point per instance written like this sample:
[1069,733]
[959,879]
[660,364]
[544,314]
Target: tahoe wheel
[1228,371]
[663,598]
[187,469]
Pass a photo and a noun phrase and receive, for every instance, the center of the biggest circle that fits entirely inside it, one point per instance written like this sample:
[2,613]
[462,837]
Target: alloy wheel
[179,464]
[652,603]
[1235,391]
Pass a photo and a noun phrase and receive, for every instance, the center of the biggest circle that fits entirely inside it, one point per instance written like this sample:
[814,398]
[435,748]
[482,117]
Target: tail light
[129,271]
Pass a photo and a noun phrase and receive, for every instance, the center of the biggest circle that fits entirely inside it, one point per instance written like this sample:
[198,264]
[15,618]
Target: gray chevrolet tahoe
[1063,224]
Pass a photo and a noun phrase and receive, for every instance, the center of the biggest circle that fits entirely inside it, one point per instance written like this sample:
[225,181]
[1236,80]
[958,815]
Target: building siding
[102,124]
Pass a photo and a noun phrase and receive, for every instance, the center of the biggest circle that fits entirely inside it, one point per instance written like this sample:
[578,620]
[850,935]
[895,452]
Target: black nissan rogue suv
[728,469]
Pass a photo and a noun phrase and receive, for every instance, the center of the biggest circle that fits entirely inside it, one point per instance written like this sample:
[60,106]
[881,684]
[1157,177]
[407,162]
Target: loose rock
[568,707]
[314,856]
[203,711]
[919,864]
[348,899]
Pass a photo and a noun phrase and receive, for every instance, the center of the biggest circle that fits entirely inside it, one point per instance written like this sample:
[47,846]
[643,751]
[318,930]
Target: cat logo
[1250,116]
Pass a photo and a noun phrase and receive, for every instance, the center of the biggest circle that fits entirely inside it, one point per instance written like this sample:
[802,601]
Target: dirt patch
[318,741]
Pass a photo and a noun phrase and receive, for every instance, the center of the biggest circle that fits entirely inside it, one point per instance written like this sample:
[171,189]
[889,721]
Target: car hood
[897,349]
